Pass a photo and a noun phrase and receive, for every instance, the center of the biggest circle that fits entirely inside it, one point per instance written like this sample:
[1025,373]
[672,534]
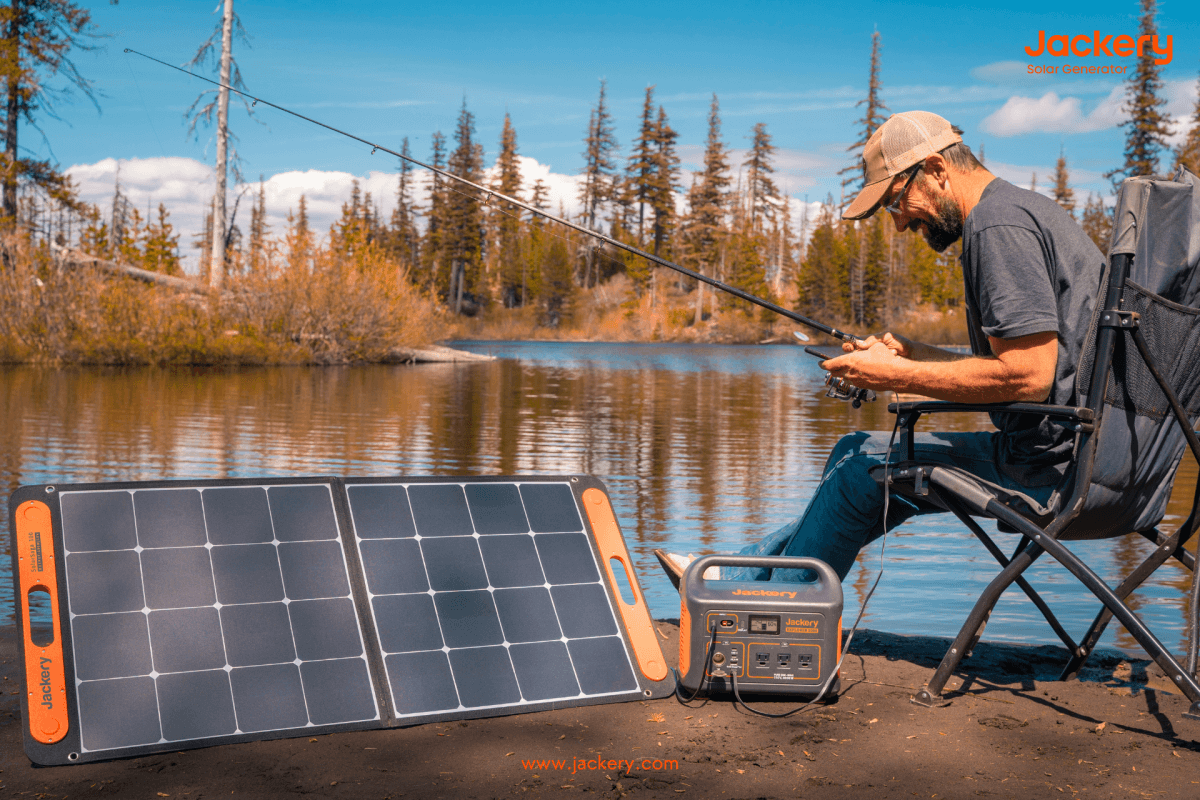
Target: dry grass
[330,312]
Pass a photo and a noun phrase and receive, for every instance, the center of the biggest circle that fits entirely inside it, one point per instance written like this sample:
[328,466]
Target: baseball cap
[902,140]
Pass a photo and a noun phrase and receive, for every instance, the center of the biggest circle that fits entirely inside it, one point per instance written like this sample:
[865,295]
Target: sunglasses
[894,206]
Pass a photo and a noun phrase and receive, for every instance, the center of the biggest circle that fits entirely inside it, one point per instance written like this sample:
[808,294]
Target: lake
[704,448]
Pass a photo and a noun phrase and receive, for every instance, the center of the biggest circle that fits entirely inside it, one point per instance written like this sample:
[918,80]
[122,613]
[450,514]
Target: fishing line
[662,262]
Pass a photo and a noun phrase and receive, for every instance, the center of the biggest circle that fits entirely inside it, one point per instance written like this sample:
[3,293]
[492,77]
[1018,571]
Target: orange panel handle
[44,673]
[636,617]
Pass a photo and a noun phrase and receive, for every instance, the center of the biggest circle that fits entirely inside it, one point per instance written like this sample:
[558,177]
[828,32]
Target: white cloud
[1052,114]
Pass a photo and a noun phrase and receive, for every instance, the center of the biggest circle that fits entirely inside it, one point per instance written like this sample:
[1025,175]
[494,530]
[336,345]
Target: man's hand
[899,345]
[872,364]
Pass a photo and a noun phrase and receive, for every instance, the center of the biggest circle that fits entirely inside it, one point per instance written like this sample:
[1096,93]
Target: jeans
[846,513]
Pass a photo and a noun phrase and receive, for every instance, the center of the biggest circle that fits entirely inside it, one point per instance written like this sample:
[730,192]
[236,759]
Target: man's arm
[1022,369]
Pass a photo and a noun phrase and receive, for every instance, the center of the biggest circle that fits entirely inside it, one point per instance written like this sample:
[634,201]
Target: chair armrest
[1080,415]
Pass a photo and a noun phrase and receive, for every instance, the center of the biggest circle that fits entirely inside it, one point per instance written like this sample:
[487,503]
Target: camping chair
[1140,375]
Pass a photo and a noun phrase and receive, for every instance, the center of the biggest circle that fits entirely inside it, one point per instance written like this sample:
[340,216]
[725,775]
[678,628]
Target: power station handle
[825,573]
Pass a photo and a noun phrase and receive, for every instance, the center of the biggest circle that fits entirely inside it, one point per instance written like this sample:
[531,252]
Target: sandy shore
[1010,730]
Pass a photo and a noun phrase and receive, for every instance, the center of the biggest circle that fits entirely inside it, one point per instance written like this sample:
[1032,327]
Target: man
[1031,277]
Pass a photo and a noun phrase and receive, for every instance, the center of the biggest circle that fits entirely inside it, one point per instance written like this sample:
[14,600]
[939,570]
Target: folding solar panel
[184,614]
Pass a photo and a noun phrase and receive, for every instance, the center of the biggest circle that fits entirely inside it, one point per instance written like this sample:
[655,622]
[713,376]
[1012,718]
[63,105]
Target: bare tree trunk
[217,272]
[12,116]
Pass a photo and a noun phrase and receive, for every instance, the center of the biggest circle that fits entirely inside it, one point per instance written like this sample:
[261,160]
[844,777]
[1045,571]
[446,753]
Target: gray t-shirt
[1029,268]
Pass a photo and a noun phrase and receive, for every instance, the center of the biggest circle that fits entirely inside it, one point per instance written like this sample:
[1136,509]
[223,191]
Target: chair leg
[1025,586]
[931,695]
[1132,622]
[1167,547]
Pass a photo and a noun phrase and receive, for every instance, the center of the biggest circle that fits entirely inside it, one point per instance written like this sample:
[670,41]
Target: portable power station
[776,638]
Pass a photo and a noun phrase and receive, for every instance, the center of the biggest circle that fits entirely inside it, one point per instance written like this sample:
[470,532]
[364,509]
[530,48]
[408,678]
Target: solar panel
[193,613]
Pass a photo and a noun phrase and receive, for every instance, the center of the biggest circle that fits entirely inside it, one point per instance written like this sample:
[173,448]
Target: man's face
[926,207]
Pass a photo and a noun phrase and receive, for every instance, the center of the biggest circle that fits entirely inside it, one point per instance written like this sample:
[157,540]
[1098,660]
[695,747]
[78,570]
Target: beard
[947,225]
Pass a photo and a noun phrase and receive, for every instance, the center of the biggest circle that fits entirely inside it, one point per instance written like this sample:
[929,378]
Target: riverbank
[1010,731]
[57,311]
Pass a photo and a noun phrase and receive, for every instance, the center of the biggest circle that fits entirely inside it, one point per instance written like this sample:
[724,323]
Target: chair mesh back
[1138,443]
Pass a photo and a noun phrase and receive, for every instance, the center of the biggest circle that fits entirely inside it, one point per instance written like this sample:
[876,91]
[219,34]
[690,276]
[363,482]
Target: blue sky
[388,70]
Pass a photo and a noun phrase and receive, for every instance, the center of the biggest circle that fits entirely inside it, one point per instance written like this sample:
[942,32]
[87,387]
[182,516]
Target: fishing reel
[839,389]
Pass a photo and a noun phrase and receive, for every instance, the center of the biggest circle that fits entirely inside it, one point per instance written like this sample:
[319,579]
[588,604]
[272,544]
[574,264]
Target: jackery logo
[764,593]
[44,683]
[1083,45]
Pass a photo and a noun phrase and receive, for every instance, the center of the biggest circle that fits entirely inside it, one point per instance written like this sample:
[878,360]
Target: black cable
[712,646]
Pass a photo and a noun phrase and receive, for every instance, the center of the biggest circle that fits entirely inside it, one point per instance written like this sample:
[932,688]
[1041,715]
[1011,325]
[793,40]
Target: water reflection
[702,448]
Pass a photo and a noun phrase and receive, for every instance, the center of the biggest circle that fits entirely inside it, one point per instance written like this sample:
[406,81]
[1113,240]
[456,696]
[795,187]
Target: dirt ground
[1010,730]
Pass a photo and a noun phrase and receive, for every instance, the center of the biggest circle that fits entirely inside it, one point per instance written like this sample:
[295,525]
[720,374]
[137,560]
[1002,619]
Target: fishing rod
[491,193]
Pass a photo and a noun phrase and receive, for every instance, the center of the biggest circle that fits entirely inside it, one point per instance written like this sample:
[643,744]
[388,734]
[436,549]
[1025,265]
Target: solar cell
[267,586]
[217,611]
[514,581]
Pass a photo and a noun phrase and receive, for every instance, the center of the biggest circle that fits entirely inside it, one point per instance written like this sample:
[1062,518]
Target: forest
[83,284]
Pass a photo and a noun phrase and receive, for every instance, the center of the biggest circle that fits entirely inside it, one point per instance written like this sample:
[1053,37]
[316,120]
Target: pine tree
[128,249]
[1063,193]
[746,268]
[436,277]
[299,239]
[875,273]
[873,117]
[665,181]
[641,168]
[350,233]
[937,276]
[599,169]
[258,229]
[93,239]
[555,287]
[823,281]
[464,217]
[508,228]
[403,236]
[1188,153]
[762,195]
[1147,130]
[161,251]
[704,226]
[599,158]
[1097,222]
